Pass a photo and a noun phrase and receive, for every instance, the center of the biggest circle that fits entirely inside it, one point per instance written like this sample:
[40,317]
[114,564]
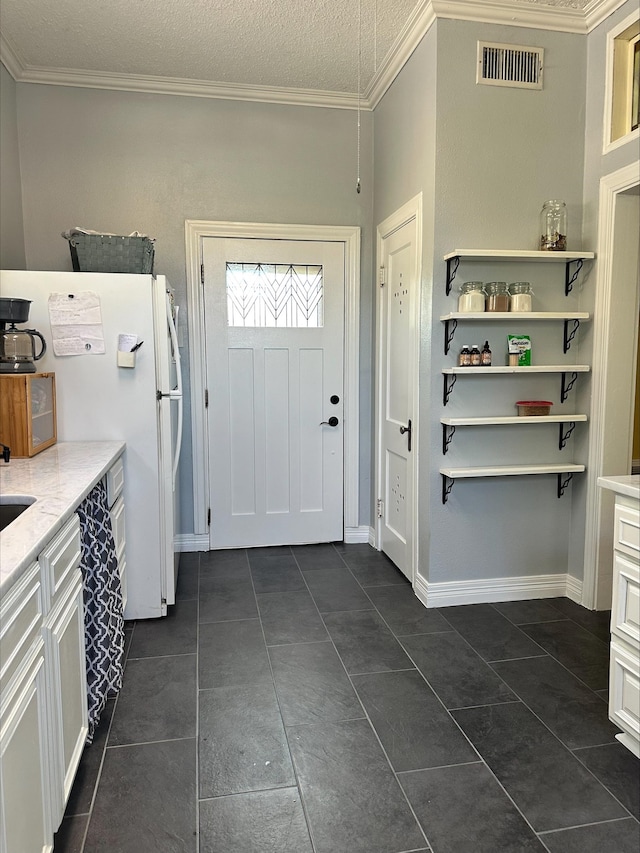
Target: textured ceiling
[289,44]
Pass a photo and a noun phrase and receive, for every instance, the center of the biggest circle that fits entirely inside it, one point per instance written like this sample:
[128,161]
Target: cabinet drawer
[20,623]
[115,481]
[59,559]
[117,523]
[625,607]
[624,689]
[626,531]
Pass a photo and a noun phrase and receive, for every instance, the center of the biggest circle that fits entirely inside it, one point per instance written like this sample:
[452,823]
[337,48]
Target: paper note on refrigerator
[76,323]
[126,343]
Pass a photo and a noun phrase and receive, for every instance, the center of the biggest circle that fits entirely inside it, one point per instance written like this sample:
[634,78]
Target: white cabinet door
[118,525]
[64,636]
[25,823]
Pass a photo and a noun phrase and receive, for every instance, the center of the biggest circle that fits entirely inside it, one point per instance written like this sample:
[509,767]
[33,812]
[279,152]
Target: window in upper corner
[623,82]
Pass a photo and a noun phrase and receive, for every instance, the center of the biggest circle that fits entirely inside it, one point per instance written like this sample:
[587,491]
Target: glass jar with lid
[553,226]
[521,294]
[497,296]
[471,299]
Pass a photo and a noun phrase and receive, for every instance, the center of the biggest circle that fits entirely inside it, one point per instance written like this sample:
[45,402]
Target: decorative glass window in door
[274,295]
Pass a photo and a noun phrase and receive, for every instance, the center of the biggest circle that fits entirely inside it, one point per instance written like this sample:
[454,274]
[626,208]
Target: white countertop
[628,484]
[59,478]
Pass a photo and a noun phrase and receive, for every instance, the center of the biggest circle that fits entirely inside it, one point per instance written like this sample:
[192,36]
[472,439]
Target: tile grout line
[94,793]
[275,692]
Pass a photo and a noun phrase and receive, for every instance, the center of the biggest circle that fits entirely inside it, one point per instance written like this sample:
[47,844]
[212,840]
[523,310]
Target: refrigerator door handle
[174,344]
[176,454]
[176,394]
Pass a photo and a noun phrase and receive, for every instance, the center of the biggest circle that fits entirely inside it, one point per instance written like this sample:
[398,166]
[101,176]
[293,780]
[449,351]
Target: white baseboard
[487,590]
[363,533]
[191,542]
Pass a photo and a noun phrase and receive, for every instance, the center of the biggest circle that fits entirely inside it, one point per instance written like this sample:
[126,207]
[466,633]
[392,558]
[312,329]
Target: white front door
[274,318]
[397,367]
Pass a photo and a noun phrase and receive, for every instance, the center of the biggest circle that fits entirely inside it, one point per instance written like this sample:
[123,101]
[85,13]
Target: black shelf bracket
[562,484]
[569,335]
[565,386]
[452,269]
[447,485]
[570,278]
[450,327]
[565,434]
[447,435]
[447,387]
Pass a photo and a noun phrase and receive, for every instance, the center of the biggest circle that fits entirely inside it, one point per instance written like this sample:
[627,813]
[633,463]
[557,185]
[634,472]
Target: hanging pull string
[358,186]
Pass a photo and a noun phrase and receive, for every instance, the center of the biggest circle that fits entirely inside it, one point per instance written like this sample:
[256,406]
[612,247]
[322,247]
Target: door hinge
[206,398]
[380,508]
[209,517]
[382,280]
[202,274]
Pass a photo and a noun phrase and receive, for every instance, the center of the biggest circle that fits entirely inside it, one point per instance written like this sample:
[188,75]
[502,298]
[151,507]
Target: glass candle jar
[471,299]
[553,226]
[497,296]
[520,296]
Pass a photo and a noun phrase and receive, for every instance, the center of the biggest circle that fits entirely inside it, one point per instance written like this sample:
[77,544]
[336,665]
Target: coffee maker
[18,346]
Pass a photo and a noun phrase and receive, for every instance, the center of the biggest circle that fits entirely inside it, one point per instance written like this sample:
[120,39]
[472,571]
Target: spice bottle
[497,296]
[464,359]
[475,356]
[485,355]
[553,226]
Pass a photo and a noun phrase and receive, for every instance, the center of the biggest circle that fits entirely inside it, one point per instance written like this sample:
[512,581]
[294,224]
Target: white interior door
[274,320]
[396,389]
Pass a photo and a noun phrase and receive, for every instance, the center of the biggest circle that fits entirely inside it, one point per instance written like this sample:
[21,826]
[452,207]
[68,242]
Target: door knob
[404,429]
[332,422]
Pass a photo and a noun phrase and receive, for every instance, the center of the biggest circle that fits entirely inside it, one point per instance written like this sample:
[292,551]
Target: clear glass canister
[521,294]
[553,226]
[471,299]
[497,296]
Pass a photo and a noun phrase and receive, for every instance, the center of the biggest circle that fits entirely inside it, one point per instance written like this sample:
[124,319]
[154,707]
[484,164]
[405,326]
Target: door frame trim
[611,186]
[410,210]
[195,231]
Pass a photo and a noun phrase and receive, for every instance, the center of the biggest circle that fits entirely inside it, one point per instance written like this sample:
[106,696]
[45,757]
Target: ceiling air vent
[510,65]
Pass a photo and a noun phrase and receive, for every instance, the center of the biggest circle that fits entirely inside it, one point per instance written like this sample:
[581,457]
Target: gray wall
[12,254]
[120,162]
[499,153]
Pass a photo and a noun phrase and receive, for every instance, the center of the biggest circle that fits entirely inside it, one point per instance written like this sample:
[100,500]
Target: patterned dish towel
[103,610]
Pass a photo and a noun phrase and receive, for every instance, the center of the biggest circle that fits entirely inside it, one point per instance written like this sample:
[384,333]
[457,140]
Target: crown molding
[538,16]
[10,59]
[189,88]
[419,23]
[506,12]
[597,11]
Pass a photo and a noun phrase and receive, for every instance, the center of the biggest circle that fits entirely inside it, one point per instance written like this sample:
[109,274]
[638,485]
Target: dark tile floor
[301,700]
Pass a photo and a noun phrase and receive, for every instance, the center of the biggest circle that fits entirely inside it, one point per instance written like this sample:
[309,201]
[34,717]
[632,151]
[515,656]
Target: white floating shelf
[538,368]
[514,419]
[517,315]
[516,254]
[510,470]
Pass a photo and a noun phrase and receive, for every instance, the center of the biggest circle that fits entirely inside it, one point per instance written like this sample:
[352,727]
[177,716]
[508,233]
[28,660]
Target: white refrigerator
[142,405]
